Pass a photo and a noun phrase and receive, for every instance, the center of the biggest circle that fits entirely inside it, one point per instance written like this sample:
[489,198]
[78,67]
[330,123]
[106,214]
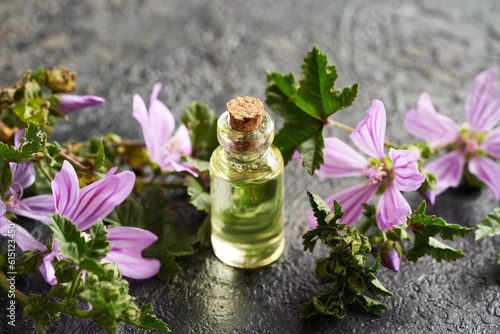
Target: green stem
[44,171]
[60,307]
[73,284]
[54,289]
[20,297]
[38,326]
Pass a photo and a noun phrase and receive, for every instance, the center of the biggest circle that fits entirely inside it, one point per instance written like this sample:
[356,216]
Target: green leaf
[202,127]
[376,288]
[204,233]
[306,109]
[5,176]
[100,157]
[53,151]
[148,321]
[489,226]
[85,254]
[371,305]
[65,271]
[200,197]
[327,227]
[430,226]
[201,165]
[430,246]
[33,142]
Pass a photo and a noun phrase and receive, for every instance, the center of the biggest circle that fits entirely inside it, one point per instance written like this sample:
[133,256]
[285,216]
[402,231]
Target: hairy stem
[20,297]
[347,128]
[75,162]
[44,171]
[73,284]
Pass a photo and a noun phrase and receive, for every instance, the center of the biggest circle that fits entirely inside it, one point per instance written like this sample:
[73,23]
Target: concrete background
[214,51]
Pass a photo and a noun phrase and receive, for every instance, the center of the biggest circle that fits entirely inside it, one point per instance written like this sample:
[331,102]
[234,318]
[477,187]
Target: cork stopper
[245,113]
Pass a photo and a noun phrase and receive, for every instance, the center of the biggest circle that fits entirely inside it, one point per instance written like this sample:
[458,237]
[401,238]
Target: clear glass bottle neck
[245,146]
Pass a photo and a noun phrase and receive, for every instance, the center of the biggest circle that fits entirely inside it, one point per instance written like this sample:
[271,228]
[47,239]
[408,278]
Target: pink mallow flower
[70,103]
[474,143]
[85,207]
[158,125]
[389,175]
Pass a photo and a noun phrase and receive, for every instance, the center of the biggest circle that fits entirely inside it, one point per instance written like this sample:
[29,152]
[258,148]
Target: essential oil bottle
[247,189]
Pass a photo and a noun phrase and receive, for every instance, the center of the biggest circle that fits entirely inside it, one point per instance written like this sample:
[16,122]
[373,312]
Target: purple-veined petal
[425,123]
[429,196]
[17,138]
[392,260]
[23,174]
[183,141]
[98,199]
[140,113]
[341,160]
[491,143]
[370,132]
[46,268]
[350,199]
[392,209]
[487,171]
[448,170]
[127,246]
[71,103]
[23,238]
[169,162]
[36,207]
[482,107]
[3,209]
[161,119]
[66,190]
[406,174]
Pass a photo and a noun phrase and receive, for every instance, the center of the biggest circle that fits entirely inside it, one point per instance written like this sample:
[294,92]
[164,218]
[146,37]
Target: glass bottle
[247,191]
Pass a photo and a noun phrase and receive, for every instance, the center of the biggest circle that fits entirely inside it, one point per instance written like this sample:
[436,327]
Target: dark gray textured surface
[214,51]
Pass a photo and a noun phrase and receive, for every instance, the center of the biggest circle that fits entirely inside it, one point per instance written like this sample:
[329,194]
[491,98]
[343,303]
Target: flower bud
[60,80]
[70,103]
[391,260]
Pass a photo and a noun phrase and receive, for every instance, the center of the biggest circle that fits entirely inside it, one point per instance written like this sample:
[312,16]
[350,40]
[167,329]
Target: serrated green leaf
[200,197]
[489,226]
[64,270]
[33,142]
[376,288]
[148,321]
[432,247]
[430,226]
[202,127]
[71,241]
[98,245]
[53,151]
[203,235]
[306,109]
[201,165]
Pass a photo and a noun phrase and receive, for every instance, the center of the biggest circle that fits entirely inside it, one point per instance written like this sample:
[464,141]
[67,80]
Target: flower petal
[127,246]
[341,160]
[3,209]
[392,209]
[162,121]
[17,138]
[23,238]
[36,207]
[406,174]
[168,162]
[98,199]
[350,199]
[23,173]
[183,140]
[140,113]
[70,103]
[66,190]
[482,107]
[448,170]
[487,171]
[370,132]
[46,268]
[491,143]
[425,123]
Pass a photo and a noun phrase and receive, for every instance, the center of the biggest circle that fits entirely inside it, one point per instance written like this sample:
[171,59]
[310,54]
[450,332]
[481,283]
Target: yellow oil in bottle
[247,194]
